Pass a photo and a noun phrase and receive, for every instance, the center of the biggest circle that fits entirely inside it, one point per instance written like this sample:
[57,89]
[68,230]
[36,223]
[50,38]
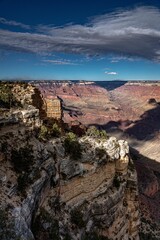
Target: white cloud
[13,23]
[111,73]
[131,33]
[60,62]
[116,59]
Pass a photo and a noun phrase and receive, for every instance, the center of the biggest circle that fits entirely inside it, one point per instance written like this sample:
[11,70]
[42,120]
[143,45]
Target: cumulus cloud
[13,23]
[111,73]
[131,33]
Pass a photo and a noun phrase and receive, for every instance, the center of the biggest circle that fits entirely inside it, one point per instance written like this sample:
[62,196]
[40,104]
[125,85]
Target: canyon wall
[50,193]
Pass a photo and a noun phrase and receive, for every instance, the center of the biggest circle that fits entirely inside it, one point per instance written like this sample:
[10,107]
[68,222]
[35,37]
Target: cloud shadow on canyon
[110,85]
[146,128]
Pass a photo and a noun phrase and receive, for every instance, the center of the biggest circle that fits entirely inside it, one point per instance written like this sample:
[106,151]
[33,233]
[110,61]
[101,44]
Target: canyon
[127,110]
[48,191]
[110,190]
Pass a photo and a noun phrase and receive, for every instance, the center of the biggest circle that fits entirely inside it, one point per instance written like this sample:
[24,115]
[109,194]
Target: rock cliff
[50,193]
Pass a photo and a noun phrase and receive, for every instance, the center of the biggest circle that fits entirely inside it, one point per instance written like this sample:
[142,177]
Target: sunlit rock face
[53,107]
[103,188]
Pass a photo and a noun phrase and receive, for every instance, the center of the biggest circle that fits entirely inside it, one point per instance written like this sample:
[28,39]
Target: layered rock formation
[118,104]
[101,185]
[128,110]
[100,188]
[50,194]
[80,100]
[53,107]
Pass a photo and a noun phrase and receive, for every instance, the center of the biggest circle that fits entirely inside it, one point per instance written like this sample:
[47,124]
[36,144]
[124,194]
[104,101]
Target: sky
[80,40]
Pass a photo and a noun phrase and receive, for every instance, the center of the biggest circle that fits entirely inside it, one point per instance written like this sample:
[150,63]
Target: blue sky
[83,40]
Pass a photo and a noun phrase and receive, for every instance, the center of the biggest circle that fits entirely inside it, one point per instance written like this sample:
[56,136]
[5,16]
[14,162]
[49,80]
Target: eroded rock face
[23,214]
[100,186]
[104,193]
[60,197]
[30,117]
[22,111]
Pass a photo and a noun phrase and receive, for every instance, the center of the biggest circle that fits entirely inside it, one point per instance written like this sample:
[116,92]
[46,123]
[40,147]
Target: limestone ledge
[116,149]
[29,117]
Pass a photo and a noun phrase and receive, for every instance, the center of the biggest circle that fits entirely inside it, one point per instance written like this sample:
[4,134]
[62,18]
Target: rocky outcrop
[100,184]
[28,117]
[103,187]
[23,93]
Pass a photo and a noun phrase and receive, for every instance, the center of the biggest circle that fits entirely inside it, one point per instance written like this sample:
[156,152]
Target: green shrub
[43,133]
[103,134]
[131,165]
[45,215]
[7,99]
[147,236]
[52,232]
[116,182]
[4,147]
[22,159]
[23,182]
[36,174]
[25,179]
[95,236]
[6,96]
[95,133]
[6,227]
[100,152]
[77,218]
[67,237]
[72,146]
[48,130]
[56,131]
